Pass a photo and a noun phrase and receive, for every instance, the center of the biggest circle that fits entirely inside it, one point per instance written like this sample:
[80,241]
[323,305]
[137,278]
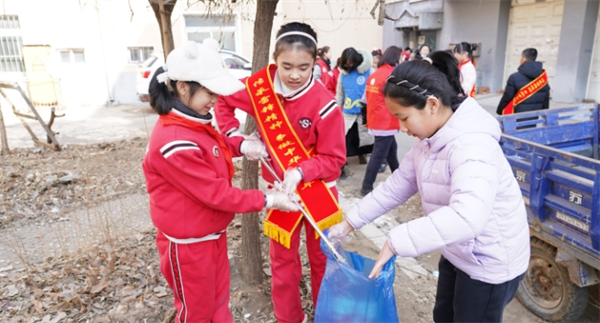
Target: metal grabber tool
[312,222]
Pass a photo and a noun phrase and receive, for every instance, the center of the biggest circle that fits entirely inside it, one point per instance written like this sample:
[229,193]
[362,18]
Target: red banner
[525,92]
[288,151]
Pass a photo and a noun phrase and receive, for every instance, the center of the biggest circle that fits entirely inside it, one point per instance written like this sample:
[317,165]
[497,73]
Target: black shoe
[362,160]
[365,190]
[382,168]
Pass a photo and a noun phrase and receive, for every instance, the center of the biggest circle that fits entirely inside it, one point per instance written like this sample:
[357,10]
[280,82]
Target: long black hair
[412,82]
[163,97]
[296,41]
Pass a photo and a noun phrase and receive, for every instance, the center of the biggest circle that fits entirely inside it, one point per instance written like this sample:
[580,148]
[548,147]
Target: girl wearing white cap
[303,128]
[188,171]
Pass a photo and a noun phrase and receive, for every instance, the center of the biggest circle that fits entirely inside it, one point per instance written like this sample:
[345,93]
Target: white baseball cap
[203,64]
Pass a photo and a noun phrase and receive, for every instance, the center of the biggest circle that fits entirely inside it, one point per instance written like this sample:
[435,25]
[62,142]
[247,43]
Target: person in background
[474,210]
[188,170]
[303,129]
[464,54]
[381,123]
[405,57]
[423,51]
[354,71]
[322,70]
[376,53]
[335,72]
[531,98]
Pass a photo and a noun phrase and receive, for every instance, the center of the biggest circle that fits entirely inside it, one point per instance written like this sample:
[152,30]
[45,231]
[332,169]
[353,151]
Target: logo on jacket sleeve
[305,123]
[216,151]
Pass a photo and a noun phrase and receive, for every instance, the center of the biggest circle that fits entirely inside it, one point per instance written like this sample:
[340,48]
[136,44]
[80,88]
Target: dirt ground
[77,244]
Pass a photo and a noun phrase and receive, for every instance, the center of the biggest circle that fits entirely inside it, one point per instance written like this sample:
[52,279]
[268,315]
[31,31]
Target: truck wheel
[546,289]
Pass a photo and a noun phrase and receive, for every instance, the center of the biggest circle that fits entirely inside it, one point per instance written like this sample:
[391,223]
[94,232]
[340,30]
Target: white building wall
[105,29]
[339,24]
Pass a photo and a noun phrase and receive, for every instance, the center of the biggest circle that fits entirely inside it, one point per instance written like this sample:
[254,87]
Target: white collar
[289,94]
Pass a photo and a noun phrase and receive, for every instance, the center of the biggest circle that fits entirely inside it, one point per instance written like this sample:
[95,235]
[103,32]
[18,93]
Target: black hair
[418,54]
[376,53]
[391,56]
[338,62]
[412,82]
[408,48]
[530,54]
[465,47]
[321,51]
[162,97]
[298,42]
[355,58]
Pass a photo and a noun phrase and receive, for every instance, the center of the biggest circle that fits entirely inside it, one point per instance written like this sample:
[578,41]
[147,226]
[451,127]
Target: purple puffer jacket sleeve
[394,191]
[473,185]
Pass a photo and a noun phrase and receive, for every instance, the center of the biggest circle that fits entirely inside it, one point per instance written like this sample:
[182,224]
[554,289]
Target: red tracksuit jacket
[187,178]
[326,76]
[316,119]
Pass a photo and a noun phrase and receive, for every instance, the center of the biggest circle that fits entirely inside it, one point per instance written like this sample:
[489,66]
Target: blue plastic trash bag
[348,295]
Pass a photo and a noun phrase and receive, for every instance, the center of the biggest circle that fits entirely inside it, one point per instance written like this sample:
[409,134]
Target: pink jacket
[474,209]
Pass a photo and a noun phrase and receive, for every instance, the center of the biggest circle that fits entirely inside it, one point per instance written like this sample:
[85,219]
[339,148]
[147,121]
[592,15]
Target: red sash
[525,92]
[288,151]
[472,92]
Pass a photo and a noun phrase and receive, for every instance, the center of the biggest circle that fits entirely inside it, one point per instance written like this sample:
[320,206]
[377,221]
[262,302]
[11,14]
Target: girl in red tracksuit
[188,170]
[316,119]
[381,123]
[324,65]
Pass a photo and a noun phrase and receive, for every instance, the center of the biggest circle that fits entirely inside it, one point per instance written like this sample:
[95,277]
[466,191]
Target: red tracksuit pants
[198,274]
[286,271]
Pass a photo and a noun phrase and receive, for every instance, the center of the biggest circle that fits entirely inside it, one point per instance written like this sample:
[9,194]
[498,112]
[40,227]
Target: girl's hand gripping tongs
[312,222]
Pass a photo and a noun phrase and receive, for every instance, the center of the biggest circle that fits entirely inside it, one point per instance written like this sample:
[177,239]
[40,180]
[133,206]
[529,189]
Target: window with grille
[72,55]
[138,55]
[11,57]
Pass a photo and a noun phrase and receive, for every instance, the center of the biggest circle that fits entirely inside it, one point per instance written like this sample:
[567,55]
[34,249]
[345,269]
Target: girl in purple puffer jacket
[474,210]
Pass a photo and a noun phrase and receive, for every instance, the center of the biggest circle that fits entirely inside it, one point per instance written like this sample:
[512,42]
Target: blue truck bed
[557,166]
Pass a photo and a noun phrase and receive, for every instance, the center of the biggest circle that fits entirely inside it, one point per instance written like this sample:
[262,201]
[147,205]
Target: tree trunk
[251,255]
[5,149]
[163,16]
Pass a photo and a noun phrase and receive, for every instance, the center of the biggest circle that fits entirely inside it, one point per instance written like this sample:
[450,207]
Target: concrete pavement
[110,123]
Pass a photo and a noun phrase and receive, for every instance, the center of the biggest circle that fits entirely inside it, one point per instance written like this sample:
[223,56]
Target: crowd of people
[311,115]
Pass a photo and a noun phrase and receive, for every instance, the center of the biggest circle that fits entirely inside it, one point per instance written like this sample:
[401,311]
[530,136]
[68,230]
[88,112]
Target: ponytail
[322,51]
[411,83]
[465,47]
[163,97]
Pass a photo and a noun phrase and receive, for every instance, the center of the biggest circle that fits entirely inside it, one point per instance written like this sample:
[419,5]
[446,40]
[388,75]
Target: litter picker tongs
[312,222]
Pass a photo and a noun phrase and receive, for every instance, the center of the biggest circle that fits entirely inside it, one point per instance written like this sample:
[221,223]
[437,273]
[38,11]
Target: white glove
[281,201]
[339,232]
[291,179]
[252,136]
[253,149]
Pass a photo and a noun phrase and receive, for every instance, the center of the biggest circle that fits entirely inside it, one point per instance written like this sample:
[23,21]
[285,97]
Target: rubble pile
[41,184]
